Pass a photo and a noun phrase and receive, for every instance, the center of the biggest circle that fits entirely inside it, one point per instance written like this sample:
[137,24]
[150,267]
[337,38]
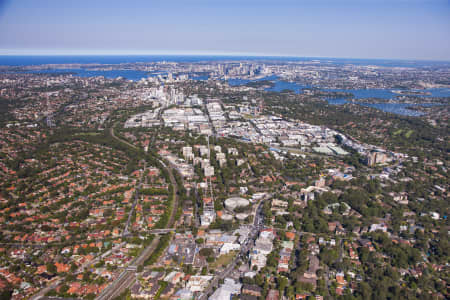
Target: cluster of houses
[91,176]
[287,247]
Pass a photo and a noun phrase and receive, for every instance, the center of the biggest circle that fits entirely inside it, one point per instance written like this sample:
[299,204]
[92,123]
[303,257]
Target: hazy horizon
[225,55]
[364,29]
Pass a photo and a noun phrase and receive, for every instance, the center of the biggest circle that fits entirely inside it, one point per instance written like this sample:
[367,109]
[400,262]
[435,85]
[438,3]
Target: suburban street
[256,227]
[128,276]
[126,231]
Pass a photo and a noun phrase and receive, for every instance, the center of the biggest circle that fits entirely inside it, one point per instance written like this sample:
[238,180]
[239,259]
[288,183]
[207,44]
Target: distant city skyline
[378,29]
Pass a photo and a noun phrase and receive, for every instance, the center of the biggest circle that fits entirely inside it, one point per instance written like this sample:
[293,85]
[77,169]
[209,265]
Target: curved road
[128,276]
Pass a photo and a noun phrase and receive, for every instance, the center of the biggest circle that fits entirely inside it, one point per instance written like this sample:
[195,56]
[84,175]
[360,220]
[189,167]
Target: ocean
[24,60]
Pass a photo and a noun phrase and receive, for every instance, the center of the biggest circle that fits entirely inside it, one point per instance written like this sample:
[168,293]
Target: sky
[396,29]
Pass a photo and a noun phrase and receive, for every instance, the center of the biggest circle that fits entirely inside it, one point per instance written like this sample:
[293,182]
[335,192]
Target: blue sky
[405,29]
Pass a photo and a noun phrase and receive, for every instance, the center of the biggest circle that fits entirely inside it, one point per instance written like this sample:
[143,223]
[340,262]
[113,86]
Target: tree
[272,259]
[282,284]
[6,294]
[206,252]
[204,271]
[86,276]
[365,290]
[51,268]
[73,267]
[64,288]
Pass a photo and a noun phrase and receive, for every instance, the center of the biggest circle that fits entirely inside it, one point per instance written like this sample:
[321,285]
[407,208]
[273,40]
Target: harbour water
[279,85]
[389,94]
[111,74]
[396,108]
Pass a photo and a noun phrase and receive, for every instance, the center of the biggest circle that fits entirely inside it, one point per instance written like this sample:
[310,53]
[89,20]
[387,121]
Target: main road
[256,227]
[128,276]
